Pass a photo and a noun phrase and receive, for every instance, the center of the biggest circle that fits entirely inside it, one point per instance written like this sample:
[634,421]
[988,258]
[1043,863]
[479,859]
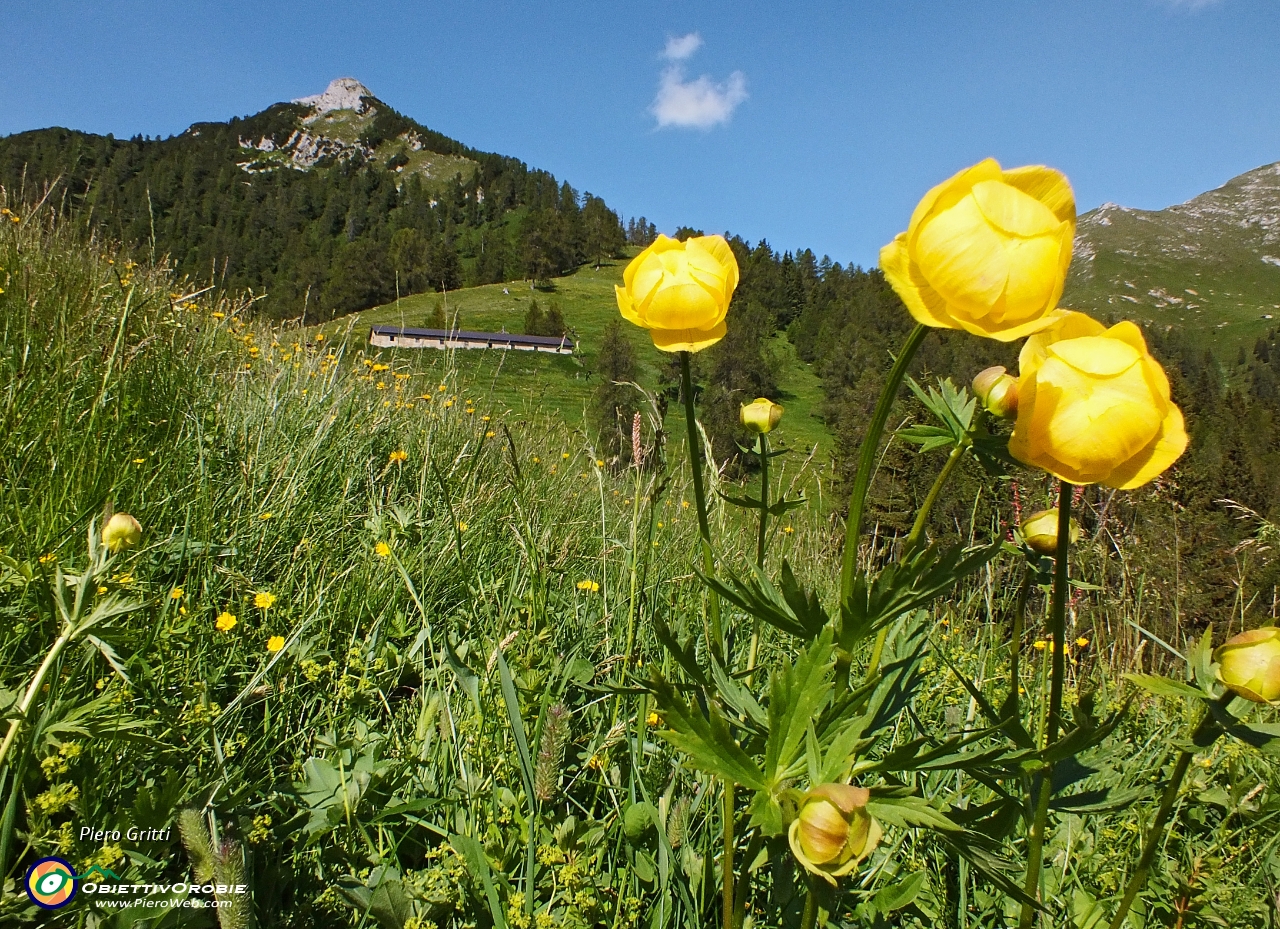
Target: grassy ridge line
[564,384]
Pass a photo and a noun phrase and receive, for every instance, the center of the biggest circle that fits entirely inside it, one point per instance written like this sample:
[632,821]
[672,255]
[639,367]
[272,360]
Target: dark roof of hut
[510,338]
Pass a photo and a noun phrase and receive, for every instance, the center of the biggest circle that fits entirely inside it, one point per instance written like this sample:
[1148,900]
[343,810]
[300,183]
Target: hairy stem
[727,882]
[762,446]
[917,529]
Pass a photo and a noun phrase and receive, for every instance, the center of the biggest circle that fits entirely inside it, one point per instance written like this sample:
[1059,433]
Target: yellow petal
[951,190]
[711,254]
[1012,211]
[922,302]
[1068,325]
[684,305]
[1003,332]
[649,277]
[1096,355]
[687,340]
[962,257]
[1035,278]
[1048,186]
[1163,451]
[625,306]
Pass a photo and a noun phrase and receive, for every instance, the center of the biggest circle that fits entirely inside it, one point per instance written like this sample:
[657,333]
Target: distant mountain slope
[1212,263]
[328,204]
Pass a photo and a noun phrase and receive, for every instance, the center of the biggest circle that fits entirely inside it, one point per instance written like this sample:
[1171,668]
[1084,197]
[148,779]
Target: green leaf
[797,695]
[704,738]
[512,701]
[908,812]
[1161,686]
[472,852]
[896,896]
[905,586]
[792,610]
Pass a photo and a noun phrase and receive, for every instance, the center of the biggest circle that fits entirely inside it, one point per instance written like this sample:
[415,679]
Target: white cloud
[681,47]
[700,103]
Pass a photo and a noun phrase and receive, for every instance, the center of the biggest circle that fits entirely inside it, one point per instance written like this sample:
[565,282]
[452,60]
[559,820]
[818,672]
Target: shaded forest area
[347,234]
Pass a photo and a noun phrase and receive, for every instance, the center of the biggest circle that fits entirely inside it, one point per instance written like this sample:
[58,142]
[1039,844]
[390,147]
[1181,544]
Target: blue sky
[822,123]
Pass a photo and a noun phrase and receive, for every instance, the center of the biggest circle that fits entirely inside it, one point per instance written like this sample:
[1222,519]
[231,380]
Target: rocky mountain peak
[344,93]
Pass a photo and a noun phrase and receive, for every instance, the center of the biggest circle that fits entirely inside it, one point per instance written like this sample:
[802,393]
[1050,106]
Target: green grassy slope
[560,384]
[1211,264]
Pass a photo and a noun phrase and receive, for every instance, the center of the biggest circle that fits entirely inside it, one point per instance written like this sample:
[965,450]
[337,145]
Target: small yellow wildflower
[589,586]
[490,434]
[684,504]
[264,600]
[485,419]
[1039,644]
[398,455]
[319,336]
[267,515]
[46,559]
[462,527]
[652,719]
[382,550]
[599,462]
[177,593]
[565,456]
[139,460]
[380,367]
[275,643]
[101,589]
[789,530]
[537,460]
[217,315]
[1082,642]
[225,622]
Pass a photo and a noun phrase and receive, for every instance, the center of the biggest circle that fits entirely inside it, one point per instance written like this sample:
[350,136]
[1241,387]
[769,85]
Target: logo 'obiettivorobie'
[51,883]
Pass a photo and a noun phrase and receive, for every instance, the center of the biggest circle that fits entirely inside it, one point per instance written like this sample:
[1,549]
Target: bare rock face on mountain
[1212,263]
[344,93]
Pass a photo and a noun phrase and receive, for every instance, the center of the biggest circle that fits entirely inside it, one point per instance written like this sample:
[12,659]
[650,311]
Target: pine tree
[615,402]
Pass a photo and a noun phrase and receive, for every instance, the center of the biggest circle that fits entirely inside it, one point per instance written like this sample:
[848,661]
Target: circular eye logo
[51,883]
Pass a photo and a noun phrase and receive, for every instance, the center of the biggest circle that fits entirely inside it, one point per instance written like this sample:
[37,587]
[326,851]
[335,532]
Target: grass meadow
[379,638]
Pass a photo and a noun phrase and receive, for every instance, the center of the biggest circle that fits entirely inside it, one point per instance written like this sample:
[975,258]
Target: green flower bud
[833,831]
[1040,531]
[760,415]
[998,391]
[1249,664]
[121,531]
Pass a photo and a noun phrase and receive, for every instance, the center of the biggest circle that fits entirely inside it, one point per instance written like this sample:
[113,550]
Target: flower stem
[727,882]
[1206,732]
[1057,626]
[762,446]
[810,915]
[867,458]
[917,529]
[715,634]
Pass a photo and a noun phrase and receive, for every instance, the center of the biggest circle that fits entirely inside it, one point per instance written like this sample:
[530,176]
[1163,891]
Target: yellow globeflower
[986,251]
[1040,531]
[275,643]
[1094,407]
[760,415]
[121,531]
[834,831]
[680,291]
[1249,664]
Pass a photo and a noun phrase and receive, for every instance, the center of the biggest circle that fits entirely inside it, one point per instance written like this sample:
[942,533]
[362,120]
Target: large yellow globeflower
[680,291]
[1093,405]
[986,251]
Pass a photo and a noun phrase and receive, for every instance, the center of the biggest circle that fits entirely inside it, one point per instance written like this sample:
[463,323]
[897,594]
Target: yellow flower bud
[986,251]
[997,390]
[1094,407]
[1040,531]
[760,415]
[1249,664]
[680,291]
[833,831]
[121,531]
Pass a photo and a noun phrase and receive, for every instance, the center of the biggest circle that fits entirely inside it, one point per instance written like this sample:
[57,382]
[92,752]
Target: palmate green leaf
[1264,736]
[895,896]
[907,812]
[704,739]
[952,406]
[791,609]
[1102,800]
[907,585]
[738,698]
[685,654]
[798,693]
